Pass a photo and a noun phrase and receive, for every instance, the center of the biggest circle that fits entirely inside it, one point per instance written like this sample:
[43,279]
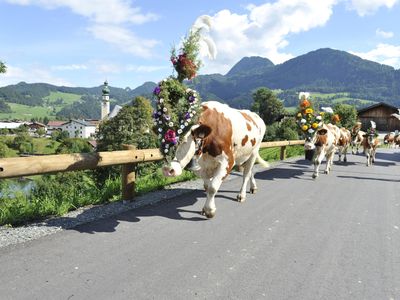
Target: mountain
[323,70]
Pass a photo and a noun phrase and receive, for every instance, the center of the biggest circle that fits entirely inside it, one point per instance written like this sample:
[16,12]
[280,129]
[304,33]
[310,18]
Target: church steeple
[105,104]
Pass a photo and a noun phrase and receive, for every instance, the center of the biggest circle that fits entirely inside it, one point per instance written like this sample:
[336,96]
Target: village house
[381,114]
[80,128]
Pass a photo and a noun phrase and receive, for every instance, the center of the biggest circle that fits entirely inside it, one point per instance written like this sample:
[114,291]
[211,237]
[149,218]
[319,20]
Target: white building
[79,128]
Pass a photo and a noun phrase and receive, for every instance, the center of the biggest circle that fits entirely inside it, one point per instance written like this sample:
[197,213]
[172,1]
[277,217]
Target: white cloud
[263,31]
[384,34]
[124,39]
[366,7]
[30,75]
[384,54]
[108,21]
[99,11]
[72,67]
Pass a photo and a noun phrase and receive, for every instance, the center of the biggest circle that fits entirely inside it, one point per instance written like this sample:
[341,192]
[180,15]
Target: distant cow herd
[225,137]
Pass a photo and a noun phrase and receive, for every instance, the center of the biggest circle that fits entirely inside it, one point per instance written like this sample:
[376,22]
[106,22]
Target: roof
[56,123]
[81,122]
[11,125]
[377,105]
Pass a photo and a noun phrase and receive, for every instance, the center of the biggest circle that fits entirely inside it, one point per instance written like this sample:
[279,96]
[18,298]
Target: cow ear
[201,132]
[322,131]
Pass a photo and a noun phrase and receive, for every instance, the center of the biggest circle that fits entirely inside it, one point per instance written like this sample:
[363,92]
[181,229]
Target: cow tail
[262,162]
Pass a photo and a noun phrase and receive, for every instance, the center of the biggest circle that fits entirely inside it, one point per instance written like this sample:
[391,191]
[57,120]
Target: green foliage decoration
[177,105]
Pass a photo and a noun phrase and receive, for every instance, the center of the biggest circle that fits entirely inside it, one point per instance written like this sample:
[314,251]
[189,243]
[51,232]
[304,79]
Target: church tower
[105,104]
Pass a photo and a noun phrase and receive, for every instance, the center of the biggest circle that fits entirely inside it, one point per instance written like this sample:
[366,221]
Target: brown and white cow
[370,143]
[324,142]
[225,137]
[389,139]
[344,143]
[357,137]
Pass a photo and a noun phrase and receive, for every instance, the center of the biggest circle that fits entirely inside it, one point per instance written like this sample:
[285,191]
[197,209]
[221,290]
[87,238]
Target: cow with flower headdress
[320,139]
[211,135]
[371,143]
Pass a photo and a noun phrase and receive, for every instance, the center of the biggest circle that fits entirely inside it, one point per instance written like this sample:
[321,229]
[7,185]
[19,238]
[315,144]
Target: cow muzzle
[174,169]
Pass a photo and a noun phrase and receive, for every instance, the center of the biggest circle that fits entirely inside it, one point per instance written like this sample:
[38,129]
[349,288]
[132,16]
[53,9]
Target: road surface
[336,237]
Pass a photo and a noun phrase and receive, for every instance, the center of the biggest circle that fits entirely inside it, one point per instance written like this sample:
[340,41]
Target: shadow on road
[388,156]
[368,178]
[171,208]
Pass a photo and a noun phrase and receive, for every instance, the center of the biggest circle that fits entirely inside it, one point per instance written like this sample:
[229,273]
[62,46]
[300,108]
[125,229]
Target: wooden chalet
[380,113]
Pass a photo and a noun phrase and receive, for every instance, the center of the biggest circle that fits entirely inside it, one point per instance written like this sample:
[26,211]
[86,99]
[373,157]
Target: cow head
[316,140]
[186,150]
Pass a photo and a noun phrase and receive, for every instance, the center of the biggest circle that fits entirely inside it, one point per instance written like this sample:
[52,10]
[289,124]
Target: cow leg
[209,208]
[368,157]
[317,163]
[329,160]
[345,153]
[247,174]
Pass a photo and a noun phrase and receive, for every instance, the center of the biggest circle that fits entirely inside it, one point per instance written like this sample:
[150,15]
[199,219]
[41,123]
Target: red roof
[55,123]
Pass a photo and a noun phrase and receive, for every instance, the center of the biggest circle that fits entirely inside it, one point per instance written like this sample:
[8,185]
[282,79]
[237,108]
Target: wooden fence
[129,158]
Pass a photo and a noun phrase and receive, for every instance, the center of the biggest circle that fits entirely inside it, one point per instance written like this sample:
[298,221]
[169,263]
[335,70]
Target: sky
[128,42]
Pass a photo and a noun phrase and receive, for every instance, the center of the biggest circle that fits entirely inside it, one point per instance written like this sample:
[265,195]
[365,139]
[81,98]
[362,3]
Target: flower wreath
[177,110]
[177,106]
[307,120]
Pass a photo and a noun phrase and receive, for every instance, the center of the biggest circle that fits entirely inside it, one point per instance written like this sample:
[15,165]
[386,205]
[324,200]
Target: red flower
[170,136]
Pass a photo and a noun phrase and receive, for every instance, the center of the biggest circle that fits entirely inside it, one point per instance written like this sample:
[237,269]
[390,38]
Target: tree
[3,67]
[347,114]
[130,126]
[40,132]
[3,150]
[74,145]
[267,105]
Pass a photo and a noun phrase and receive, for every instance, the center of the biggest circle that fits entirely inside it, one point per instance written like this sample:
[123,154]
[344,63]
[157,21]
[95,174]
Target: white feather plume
[306,95]
[207,44]
[373,124]
[396,115]
[327,110]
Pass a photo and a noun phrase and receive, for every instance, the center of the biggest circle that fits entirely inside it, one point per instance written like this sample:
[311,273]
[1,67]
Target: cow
[389,139]
[370,143]
[324,141]
[344,143]
[357,136]
[222,138]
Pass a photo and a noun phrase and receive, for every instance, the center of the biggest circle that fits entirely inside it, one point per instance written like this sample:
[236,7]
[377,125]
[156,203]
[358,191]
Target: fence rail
[129,158]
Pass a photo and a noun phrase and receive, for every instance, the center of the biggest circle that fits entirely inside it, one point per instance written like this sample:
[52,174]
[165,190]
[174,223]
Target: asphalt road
[337,237]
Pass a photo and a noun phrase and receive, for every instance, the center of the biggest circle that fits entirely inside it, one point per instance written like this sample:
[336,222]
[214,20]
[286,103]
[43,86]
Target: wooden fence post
[283,152]
[128,178]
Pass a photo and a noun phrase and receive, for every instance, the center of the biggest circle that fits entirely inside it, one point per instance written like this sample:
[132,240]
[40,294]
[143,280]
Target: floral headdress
[307,120]
[186,63]
[177,105]
[372,130]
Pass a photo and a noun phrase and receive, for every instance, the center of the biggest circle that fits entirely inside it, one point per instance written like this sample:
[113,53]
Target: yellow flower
[322,113]
[304,127]
[309,111]
[314,125]
[299,115]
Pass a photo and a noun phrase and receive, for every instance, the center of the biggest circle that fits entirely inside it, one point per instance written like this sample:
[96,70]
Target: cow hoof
[345,160]
[208,213]
[314,176]
[253,190]
[240,198]
[326,171]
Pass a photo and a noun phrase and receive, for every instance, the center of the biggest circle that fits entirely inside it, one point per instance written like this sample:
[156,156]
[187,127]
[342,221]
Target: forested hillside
[332,75]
